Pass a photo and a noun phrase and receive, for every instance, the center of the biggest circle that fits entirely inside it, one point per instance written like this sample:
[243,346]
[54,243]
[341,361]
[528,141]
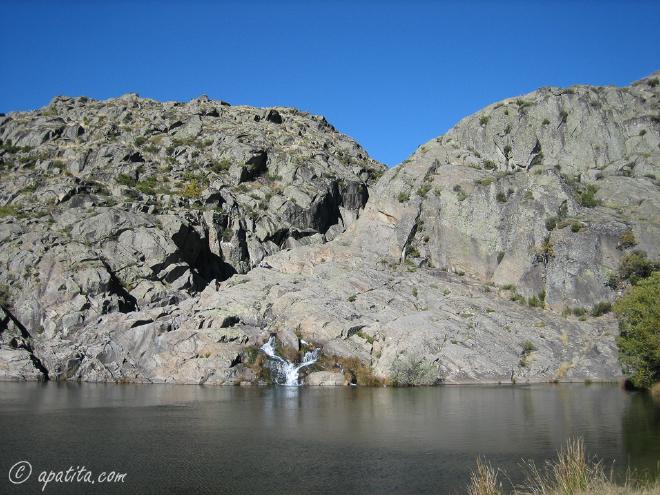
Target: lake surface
[195,439]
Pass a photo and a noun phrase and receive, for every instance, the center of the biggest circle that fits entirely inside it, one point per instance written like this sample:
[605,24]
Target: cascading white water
[286,372]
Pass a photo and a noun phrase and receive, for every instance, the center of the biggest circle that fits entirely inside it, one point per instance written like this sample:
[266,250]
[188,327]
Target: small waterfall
[283,371]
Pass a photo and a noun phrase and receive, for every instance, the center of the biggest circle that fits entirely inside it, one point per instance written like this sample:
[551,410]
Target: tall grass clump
[483,481]
[571,473]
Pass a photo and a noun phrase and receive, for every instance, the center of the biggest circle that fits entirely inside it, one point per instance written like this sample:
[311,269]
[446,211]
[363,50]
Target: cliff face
[130,227]
[113,206]
[545,192]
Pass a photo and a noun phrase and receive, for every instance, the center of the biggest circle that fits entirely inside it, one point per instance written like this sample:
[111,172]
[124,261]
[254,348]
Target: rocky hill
[133,235]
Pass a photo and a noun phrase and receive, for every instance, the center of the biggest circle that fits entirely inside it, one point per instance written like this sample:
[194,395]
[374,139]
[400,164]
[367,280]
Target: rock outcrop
[128,204]
[456,270]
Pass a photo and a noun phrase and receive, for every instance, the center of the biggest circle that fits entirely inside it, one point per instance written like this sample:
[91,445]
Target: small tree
[639,321]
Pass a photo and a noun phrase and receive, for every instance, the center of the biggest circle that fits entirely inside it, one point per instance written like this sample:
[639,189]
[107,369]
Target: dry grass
[354,370]
[484,481]
[571,473]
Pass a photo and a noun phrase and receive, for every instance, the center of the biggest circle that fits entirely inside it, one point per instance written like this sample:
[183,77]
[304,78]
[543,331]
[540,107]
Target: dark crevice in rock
[139,323]
[230,321]
[194,250]
[126,302]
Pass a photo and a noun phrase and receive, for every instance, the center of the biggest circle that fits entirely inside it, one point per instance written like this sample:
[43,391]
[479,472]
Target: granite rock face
[163,242]
[545,192]
[128,204]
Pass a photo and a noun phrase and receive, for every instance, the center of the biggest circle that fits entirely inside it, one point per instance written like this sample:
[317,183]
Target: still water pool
[196,439]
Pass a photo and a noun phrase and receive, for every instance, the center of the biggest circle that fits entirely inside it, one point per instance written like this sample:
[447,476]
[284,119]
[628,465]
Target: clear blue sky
[390,74]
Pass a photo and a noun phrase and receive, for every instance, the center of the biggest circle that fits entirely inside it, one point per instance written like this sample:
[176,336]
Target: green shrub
[634,266]
[9,211]
[219,166]
[576,227]
[486,181]
[545,122]
[125,180]
[483,120]
[501,197]
[352,298]
[536,301]
[489,165]
[577,311]
[653,82]
[147,186]
[642,132]
[528,347]
[423,190]
[515,297]
[366,336]
[551,223]
[601,308]
[409,371]
[638,312]
[507,150]
[403,197]
[191,190]
[587,197]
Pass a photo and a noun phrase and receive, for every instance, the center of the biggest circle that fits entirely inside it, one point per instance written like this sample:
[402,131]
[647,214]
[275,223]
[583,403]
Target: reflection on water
[339,440]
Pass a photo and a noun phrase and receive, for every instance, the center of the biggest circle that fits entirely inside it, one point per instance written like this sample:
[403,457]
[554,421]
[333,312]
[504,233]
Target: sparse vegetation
[634,266]
[627,240]
[9,211]
[125,180]
[601,308]
[423,190]
[191,190]
[572,473]
[403,197]
[460,194]
[537,301]
[527,348]
[408,371]
[220,166]
[587,197]
[545,251]
[577,311]
[485,181]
